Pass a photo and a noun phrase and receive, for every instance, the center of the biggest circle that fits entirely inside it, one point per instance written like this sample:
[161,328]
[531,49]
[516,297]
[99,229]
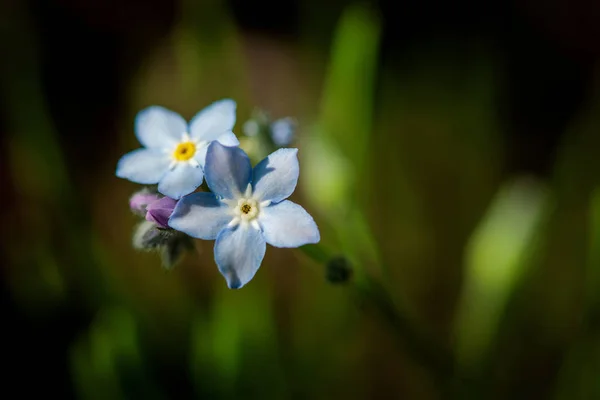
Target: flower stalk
[370,293]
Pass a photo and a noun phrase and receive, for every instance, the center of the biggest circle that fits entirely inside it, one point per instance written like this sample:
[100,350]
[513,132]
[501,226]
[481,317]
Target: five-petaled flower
[174,152]
[247,209]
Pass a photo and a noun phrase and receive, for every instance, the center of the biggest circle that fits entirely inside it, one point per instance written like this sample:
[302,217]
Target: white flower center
[245,209]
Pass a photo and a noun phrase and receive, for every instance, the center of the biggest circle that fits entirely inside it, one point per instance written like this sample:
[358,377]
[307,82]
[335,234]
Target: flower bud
[251,128]
[174,248]
[282,131]
[140,200]
[338,270]
[148,236]
[160,210]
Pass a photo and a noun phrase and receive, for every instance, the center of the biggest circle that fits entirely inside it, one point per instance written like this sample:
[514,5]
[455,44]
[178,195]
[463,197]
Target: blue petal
[238,253]
[276,176]
[159,128]
[227,169]
[143,166]
[213,121]
[288,225]
[200,215]
[182,180]
[226,139]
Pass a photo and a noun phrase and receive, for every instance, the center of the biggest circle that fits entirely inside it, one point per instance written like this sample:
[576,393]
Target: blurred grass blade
[347,102]
[36,159]
[578,377]
[496,258]
[335,156]
[239,334]
[593,273]
[107,362]
[339,144]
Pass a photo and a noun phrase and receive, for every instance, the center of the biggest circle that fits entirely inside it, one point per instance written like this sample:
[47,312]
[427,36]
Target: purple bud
[159,211]
[140,201]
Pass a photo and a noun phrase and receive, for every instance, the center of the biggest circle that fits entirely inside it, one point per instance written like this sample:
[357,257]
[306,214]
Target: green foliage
[457,274]
[497,257]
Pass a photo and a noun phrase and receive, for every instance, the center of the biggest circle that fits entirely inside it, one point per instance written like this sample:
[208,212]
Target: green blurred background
[449,151]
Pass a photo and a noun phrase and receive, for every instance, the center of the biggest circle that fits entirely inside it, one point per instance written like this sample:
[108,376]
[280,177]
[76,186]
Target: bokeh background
[449,151]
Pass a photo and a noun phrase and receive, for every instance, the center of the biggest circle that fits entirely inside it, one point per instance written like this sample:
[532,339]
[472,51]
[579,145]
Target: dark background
[85,55]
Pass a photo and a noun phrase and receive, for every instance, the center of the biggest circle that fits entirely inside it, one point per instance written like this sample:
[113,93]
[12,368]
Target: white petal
[159,128]
[276,176]
[213,121]
[288,225]
[143,166]
[226,139]
[200,215]
[239,252]
[181,180]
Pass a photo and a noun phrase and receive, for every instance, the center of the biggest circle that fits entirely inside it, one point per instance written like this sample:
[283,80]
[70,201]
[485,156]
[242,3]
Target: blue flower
[247,209]
[174,152]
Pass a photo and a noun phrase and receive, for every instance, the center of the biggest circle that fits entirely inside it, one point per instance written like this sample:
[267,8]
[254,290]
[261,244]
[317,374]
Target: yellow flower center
[184,151]
[246,208]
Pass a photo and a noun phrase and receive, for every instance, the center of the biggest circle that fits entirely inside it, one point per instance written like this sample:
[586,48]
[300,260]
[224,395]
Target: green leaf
[496,259]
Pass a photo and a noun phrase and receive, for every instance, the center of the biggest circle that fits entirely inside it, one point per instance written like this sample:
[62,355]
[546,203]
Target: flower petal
[276,176]
[238,253]
[227,169]
[159,128]
[181,180]
[214,120]
[288,225]
[200,215]
[143,166]
[226,139]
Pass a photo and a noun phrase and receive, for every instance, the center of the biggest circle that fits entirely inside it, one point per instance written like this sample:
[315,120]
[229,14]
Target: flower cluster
[243,209]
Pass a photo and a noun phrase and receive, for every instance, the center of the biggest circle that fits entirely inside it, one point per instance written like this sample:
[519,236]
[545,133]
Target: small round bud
[159,211]
[140,201]
[251,128]
[172,251]
[282,131]
[148,236]
[338,270]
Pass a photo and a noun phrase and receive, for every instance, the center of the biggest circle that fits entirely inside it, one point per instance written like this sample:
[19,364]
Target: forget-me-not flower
[247,209]
[174,152]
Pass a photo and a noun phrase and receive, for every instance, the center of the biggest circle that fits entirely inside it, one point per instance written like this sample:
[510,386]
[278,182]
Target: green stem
[419,346]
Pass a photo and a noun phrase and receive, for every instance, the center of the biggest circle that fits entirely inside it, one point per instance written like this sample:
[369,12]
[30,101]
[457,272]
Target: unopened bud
[172,251]
[148,236]
[282,131]
[160,210]
[338,270]
[140,201]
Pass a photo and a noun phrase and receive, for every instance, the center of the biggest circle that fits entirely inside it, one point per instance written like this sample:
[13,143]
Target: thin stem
[420,347]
